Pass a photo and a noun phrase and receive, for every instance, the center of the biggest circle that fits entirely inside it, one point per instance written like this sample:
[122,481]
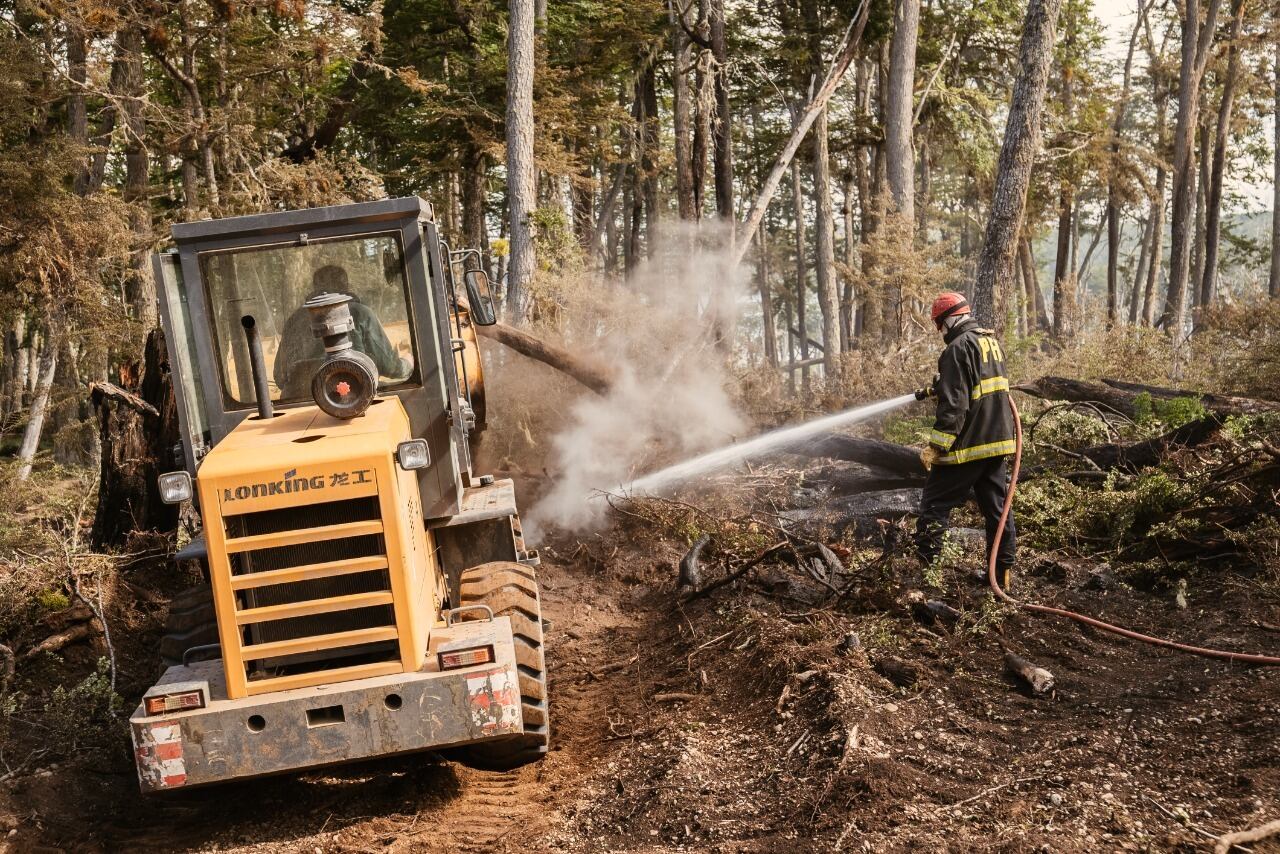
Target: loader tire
[511,590]
[191,622]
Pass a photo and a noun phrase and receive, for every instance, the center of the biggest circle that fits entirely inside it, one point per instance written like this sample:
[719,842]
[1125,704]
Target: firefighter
[972,436]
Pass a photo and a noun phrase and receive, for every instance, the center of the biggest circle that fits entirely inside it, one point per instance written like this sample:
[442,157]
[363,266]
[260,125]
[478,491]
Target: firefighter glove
[929,456]
[931,390]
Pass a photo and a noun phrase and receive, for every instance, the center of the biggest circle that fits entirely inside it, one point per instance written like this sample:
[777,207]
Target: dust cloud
[657,332]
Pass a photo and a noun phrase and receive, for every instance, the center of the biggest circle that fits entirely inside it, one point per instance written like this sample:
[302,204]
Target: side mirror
[480,298]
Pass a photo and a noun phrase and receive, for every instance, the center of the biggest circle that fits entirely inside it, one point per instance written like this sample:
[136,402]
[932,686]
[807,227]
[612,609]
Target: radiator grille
[316,553]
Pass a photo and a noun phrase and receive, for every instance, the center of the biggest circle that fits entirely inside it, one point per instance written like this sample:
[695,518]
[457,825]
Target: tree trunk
[1017,155]
[77,112]
[648,163]
[521,180]
[899,104]
[138,429]
[847,319]
[723,130]
[1155,255]
[766,300]
[1202,185]
[681,113]
[1273,287]
[1197,42]
[1140,275]
[802,273]
[1113,190]
[39,403]
[474,195]
[1031,280]
[1213,199]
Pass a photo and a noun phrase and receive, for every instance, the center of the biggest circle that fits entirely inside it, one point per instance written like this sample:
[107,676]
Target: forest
[701,220]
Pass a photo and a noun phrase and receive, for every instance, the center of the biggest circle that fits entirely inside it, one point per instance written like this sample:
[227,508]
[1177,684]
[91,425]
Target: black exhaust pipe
[259,366]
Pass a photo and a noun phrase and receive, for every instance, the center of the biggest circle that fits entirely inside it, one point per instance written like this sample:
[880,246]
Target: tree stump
[138,429]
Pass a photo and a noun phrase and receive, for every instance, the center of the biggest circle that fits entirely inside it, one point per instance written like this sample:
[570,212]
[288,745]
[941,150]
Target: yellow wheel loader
[368,592]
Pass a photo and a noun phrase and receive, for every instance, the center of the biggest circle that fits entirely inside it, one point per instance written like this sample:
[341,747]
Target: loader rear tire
[191,622]
[511,590]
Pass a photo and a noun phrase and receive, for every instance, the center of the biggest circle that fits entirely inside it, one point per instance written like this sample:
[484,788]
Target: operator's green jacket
[974,421]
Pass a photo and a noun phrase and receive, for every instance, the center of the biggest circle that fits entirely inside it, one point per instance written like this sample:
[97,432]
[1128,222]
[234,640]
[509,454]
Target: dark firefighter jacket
[974,421]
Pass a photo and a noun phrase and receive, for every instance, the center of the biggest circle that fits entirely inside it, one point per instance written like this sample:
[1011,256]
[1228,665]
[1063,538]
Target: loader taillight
[457,658]
[180,702]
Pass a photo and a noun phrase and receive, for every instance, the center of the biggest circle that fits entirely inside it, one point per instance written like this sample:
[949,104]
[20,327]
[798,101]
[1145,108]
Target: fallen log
[862,512]
[1122,396]
[858,479]
[881,457]
[1039,680]
[590,375]
[1143,454]
[1223,404]
[55,643]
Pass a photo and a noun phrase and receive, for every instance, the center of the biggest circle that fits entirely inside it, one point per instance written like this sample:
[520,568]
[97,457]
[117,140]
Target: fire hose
[1244,658]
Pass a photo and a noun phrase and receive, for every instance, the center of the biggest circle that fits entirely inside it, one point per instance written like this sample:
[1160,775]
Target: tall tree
[1017,155]
[723,130]
[899,108]
[1274,283]
[521,180]
[824,250]
[1197,45]
[1213,194]
[1113,170]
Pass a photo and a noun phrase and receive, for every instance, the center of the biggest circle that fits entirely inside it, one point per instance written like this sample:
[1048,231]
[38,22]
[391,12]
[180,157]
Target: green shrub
[908,429]
[1167,414]
[86,715]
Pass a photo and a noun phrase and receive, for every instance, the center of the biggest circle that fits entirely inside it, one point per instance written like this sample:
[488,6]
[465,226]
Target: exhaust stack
[259,366]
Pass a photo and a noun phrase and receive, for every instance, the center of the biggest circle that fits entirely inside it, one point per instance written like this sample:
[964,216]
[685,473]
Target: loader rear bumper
[330,724]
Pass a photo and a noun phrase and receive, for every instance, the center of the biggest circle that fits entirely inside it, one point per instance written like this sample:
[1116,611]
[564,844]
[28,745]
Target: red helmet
[948,304]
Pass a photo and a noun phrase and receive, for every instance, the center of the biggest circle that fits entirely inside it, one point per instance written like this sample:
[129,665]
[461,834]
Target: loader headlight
[175,487]
[413,454]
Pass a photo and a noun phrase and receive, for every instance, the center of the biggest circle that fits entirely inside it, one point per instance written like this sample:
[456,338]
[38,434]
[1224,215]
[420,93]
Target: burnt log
[138,428]
[1140,455]
[1122,396]
[1222,404]
[591,375]
[884,458]
[856,479]
[1039,680]
[863,513]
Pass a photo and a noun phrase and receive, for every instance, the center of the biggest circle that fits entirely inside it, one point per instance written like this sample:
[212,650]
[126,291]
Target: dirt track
[1139,750]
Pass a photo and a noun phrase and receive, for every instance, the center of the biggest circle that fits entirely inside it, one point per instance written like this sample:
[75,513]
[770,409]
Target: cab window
[272,282]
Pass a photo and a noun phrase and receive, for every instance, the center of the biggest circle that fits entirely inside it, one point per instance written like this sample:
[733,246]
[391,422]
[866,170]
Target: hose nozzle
[931,390]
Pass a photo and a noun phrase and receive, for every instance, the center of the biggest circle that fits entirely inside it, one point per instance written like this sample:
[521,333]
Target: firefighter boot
[1004,577]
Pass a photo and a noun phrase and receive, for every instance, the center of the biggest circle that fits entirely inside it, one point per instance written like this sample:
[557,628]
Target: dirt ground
[745,721]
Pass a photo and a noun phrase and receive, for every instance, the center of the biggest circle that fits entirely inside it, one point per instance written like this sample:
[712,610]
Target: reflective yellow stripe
[989,386]
[942,440]
[980,452]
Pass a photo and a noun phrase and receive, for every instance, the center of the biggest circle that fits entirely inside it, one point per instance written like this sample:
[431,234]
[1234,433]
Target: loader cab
[388,257]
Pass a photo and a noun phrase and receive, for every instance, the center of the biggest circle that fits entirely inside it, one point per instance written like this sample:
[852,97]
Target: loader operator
[972,436]
[301,352]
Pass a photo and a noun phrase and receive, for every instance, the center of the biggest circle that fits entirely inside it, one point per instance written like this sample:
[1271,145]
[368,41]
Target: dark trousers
[947,487]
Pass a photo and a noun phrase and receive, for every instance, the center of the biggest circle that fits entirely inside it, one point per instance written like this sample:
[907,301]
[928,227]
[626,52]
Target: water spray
[722,457]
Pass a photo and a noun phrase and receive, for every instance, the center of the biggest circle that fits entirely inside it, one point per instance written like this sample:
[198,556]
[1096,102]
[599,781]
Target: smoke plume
[663,332]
